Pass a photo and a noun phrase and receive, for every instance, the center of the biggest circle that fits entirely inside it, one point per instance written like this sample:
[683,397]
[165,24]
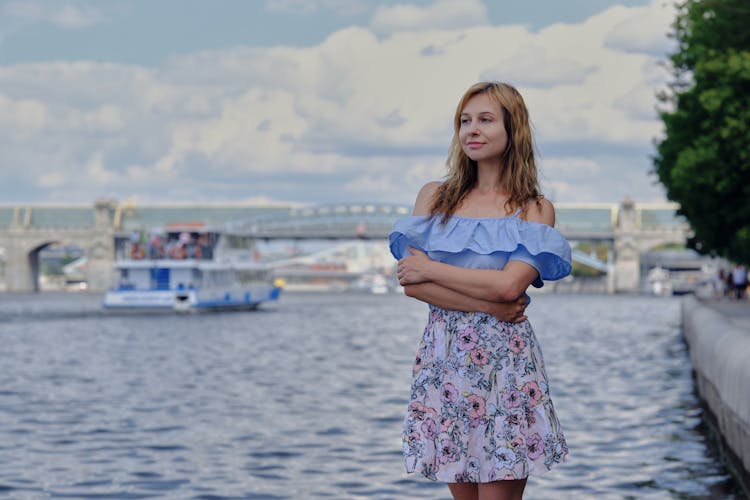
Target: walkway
[737,311]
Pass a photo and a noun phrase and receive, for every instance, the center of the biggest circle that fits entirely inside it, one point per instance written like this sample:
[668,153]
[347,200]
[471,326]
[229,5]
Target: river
[305,398]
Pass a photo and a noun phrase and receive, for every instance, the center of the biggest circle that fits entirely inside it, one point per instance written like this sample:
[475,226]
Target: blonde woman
[480,417]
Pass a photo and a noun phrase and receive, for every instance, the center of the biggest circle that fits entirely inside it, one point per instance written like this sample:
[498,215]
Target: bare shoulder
[424,198]
[540,210]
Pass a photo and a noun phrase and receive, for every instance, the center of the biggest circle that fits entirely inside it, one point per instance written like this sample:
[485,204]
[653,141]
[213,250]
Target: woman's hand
[511,312]
[414,268]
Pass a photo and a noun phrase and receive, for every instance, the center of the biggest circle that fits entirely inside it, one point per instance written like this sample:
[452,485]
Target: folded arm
[503,285]
[440,296]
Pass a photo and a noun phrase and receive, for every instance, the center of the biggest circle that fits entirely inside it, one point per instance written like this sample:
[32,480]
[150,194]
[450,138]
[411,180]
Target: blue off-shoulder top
[485,243]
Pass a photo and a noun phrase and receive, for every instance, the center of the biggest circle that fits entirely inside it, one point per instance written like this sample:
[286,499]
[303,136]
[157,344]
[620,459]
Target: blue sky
[148,32]
[316,101]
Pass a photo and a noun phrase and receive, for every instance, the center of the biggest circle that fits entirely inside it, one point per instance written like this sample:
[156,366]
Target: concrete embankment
[720,352]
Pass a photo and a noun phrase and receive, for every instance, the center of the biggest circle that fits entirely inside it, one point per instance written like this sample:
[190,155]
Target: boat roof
[188,264]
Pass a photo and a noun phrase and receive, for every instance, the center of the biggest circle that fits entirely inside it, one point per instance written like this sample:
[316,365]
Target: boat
[677,272]
[659,282]
[187,267]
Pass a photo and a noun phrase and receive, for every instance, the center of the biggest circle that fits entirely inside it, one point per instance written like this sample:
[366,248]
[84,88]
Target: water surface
[305,398]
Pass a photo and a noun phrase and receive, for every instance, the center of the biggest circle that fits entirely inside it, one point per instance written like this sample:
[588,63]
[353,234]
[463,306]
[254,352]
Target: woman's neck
[489,177]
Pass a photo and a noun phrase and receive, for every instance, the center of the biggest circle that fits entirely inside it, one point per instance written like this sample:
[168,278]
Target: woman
[480,416]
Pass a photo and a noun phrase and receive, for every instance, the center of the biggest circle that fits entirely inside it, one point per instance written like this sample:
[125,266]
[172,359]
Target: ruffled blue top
[485,243]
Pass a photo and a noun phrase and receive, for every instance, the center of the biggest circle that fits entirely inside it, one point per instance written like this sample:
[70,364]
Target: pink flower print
[429,428]
[512,398]
[476,406]
[419,411]
[448,452]
[534,446]
[445,424]
[517,343]
[532,390]
[449,394]
[479,357]
[467,339]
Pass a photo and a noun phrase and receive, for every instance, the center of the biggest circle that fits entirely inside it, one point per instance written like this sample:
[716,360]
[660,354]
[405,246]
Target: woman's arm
[502,285]
[493,285]
[441,296]
[432,293]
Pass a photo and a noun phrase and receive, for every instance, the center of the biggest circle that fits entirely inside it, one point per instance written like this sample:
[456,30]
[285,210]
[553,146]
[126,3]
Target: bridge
[627,227]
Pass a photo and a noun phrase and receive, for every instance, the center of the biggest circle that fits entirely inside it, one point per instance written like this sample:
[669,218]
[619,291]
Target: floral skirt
[480,409]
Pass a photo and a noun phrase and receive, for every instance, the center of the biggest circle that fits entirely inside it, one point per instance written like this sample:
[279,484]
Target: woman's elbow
[509,292]
[410,290]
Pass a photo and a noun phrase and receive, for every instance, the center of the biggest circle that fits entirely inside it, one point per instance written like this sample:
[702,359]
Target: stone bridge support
[21,264]
[100,252]
[631,239]
[627,257]
[23,244]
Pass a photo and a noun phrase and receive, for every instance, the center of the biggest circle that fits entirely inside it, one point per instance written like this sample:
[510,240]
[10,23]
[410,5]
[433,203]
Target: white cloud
[23,117]
[539,66]
[440,15]
[52,179]
[356,115]
[67,16]
[345,7]
[570,167]
[73,17]
[644,29]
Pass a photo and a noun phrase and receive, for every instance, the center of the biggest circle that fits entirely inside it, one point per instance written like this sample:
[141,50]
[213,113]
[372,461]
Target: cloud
[644,30]
[22,118]
[440,15]
[598,178]
[345,7]
[539,66]
[67,16]
[355,116]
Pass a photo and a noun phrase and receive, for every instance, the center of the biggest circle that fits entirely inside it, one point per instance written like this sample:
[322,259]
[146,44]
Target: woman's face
[482,129]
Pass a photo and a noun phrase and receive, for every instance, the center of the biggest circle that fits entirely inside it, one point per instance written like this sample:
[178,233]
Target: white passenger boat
[188,268]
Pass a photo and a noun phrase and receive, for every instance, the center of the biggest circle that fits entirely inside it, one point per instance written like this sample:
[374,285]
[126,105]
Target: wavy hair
[519,175]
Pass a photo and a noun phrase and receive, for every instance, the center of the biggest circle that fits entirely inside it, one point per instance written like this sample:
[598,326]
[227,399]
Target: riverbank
[718,336]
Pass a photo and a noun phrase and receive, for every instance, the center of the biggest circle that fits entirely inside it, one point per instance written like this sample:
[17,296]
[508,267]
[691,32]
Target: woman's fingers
[414,251]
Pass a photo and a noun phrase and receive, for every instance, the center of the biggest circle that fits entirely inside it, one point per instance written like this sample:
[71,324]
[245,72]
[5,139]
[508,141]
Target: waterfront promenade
[718,336]
[736,311]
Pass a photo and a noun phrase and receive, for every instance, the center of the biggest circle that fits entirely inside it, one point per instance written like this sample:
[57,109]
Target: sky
[317,101]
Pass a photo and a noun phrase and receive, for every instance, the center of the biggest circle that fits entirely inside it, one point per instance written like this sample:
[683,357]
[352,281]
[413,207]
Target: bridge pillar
[100,252]
[19,265]
[627,258]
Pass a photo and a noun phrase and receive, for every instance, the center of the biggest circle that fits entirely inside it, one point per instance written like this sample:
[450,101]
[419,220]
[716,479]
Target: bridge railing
[327,221]
[597,220]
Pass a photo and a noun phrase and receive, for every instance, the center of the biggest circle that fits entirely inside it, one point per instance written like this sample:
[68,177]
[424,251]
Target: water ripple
[305,399]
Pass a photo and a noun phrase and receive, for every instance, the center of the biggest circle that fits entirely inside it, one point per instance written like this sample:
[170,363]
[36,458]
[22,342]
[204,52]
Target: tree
[704,158]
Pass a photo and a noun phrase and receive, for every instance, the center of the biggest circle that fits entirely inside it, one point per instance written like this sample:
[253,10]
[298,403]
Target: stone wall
[720,354]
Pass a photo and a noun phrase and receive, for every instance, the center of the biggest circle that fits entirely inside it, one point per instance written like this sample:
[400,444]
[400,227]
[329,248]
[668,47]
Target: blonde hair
[520,175]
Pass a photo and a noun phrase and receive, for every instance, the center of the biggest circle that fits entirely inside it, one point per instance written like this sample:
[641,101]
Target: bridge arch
[22,256]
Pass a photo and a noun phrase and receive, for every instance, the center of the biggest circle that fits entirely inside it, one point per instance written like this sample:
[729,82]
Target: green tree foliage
[704,159]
